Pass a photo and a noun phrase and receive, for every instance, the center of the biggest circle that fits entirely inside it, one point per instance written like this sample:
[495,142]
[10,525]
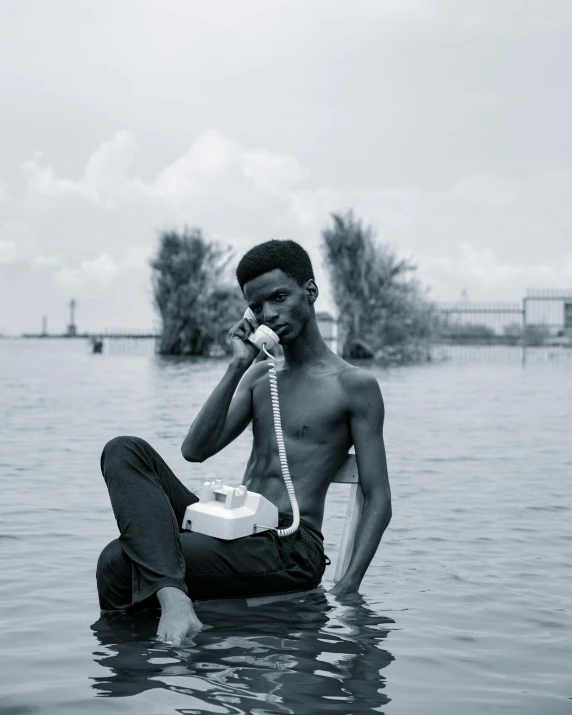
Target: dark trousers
[151,552]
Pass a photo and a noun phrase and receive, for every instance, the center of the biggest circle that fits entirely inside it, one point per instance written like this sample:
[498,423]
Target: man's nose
[270,314]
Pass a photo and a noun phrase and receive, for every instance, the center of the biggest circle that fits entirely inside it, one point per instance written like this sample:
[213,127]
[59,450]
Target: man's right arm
[223,417]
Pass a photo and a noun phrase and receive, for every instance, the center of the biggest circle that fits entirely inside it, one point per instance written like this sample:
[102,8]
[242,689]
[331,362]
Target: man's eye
[280,297]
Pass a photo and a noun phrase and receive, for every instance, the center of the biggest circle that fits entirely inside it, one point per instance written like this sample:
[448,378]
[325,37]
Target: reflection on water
[309,651]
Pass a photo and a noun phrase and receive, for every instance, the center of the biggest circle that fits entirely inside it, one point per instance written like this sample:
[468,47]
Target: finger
[238,333]
[242,329]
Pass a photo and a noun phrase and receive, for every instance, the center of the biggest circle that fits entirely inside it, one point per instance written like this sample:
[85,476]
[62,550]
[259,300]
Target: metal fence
[128,342]
[538,329]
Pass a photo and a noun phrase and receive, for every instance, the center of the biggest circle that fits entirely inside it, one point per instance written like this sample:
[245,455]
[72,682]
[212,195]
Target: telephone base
[229,512]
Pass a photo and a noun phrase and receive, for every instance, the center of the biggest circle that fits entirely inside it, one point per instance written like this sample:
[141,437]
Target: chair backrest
[348,474]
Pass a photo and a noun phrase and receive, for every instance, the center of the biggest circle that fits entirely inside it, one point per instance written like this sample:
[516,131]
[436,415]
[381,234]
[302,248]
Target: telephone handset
[262,335]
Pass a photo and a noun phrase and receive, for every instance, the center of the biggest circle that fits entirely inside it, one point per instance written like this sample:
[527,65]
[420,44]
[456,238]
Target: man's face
[278,302]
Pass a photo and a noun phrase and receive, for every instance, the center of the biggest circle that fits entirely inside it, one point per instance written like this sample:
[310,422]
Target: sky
[443,125]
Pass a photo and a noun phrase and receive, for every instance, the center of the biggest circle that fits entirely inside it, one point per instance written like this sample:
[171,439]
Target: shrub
[196,300]
[382,309]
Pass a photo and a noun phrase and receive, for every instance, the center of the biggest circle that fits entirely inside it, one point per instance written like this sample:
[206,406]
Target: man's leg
[149,503]
[113,576]
[261,564]
[151,556]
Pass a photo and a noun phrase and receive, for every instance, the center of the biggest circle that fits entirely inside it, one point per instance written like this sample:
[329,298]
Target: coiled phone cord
[281,447]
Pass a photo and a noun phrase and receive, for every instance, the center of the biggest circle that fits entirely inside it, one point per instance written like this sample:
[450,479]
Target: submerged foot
[178,617]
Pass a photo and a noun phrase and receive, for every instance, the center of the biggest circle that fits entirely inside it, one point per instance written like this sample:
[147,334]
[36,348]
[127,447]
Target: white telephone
[232,512]
[262,336]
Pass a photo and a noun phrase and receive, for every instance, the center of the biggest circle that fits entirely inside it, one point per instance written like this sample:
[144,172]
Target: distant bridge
[87,336]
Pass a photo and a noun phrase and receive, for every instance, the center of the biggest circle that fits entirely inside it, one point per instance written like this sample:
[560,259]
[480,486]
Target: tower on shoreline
[72,327]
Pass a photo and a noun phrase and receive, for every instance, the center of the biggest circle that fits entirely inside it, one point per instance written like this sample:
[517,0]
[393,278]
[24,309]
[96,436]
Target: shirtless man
[327,406]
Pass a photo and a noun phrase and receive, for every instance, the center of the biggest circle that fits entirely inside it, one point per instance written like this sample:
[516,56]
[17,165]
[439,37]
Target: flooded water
[466,606]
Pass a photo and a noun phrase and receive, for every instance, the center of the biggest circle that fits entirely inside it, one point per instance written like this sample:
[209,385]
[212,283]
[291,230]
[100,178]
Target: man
[326,404]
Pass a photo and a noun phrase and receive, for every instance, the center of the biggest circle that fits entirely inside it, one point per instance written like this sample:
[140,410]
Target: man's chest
[310,409]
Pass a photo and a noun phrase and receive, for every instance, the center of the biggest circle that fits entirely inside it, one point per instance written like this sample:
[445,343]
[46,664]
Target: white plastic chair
[346,474]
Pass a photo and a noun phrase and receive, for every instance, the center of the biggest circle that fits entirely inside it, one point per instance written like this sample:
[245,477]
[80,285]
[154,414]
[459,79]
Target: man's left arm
[366,415]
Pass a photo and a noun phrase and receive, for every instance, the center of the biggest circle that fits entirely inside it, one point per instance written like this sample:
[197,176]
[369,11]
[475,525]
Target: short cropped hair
[286,255]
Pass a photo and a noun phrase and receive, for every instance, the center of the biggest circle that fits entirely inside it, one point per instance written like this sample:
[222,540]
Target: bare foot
[178,617]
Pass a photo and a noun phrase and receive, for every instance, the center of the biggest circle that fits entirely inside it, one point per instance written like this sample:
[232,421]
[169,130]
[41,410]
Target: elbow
[388,513]
[191,455]
[387,510]
[380,504]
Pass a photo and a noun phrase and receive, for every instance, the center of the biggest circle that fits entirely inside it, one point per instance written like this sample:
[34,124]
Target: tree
[196,302]
[381,306]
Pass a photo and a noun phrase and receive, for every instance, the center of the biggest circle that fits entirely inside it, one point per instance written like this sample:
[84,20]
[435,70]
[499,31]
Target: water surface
[465,608]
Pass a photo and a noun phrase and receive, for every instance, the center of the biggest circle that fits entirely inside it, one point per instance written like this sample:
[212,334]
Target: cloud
[216,166]
[8,251]
[482,264]
[463,235]
[479,271]
[481,190]
[103,269]
[40,262]
[223,182]
[15,241]
[104,179]
[213,165]
[137,257]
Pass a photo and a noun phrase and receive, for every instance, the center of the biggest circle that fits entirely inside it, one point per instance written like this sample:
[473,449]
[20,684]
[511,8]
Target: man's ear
[312,290]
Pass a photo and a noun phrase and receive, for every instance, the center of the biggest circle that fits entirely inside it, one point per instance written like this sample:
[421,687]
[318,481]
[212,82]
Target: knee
[110,561]
[113,577]
[116,448]
[119,444]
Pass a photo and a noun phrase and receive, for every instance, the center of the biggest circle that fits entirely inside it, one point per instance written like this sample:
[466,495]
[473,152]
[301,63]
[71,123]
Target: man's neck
[309,349]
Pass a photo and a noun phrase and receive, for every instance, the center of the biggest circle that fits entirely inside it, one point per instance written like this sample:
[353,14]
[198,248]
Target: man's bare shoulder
[356,377]
[359,384]
[257,369]
[254,374]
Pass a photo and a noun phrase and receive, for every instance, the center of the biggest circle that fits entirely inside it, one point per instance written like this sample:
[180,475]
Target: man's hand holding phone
[244,352]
